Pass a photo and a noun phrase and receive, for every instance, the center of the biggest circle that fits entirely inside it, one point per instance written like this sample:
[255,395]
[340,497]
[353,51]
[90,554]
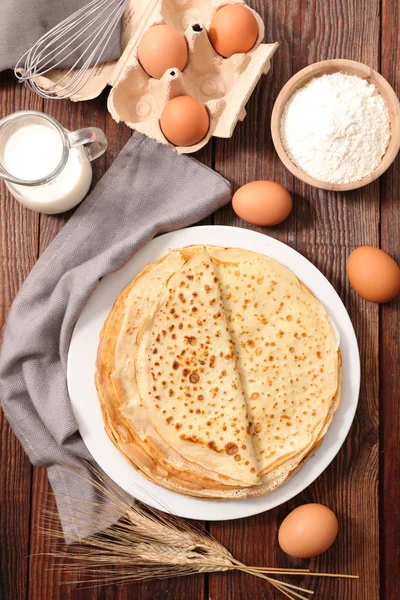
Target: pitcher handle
[93,140]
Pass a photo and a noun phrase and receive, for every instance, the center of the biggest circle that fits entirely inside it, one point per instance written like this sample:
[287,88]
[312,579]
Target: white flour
[336,128]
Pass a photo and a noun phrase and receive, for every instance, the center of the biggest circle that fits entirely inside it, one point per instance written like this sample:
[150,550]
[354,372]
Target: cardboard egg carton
[224,85]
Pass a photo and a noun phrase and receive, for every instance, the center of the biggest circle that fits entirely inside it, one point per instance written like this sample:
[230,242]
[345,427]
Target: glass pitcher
[46,167]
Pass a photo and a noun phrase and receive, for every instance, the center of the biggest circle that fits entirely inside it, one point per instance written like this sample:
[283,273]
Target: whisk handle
[93,140]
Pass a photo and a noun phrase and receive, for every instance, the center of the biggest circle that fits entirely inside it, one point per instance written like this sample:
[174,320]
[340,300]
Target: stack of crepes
[218,372]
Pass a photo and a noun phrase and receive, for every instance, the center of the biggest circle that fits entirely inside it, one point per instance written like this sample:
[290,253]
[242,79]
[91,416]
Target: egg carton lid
[131,86]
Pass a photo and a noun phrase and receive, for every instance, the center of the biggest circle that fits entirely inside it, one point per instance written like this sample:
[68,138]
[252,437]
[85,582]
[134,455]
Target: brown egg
[184,121]
[262,203]
[308,531]
[233,29]
[373,274]
[161,48]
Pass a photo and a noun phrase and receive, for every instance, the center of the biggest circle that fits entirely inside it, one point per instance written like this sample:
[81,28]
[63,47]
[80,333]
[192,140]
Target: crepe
[218,372]
[281,335]
[124,414]
[187,375]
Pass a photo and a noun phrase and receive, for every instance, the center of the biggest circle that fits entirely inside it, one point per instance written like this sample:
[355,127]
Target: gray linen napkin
[148,190]
[23,22]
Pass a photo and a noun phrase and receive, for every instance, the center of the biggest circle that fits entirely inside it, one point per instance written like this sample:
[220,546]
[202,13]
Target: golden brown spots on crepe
[194,377]
[189,438]
[213,446]
[231,448]
[255,396]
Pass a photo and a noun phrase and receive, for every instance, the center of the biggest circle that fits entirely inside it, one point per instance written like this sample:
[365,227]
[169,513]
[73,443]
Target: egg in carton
[223,85]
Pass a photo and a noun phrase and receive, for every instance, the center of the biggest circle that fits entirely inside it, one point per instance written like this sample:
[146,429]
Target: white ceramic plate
[81,369]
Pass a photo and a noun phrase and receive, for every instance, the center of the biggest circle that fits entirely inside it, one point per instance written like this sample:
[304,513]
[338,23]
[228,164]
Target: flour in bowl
[336,128]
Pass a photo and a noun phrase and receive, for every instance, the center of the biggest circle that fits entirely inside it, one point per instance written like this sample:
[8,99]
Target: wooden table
[363,482]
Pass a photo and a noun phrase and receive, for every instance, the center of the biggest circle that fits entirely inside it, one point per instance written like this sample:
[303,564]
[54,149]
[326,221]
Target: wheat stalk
[149,544]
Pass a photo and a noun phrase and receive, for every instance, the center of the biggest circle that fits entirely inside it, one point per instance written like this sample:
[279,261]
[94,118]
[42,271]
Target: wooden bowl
[333,66]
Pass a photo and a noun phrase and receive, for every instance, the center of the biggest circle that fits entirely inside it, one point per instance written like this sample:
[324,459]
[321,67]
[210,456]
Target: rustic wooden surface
[362,484]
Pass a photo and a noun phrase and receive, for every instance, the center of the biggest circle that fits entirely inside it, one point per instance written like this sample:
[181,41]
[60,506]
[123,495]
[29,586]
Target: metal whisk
[89,29]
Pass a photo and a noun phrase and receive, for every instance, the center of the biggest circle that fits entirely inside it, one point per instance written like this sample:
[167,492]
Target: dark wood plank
[389,339]
[45,580]
[324,227]
[340,222]
[250,154]
[19,242]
